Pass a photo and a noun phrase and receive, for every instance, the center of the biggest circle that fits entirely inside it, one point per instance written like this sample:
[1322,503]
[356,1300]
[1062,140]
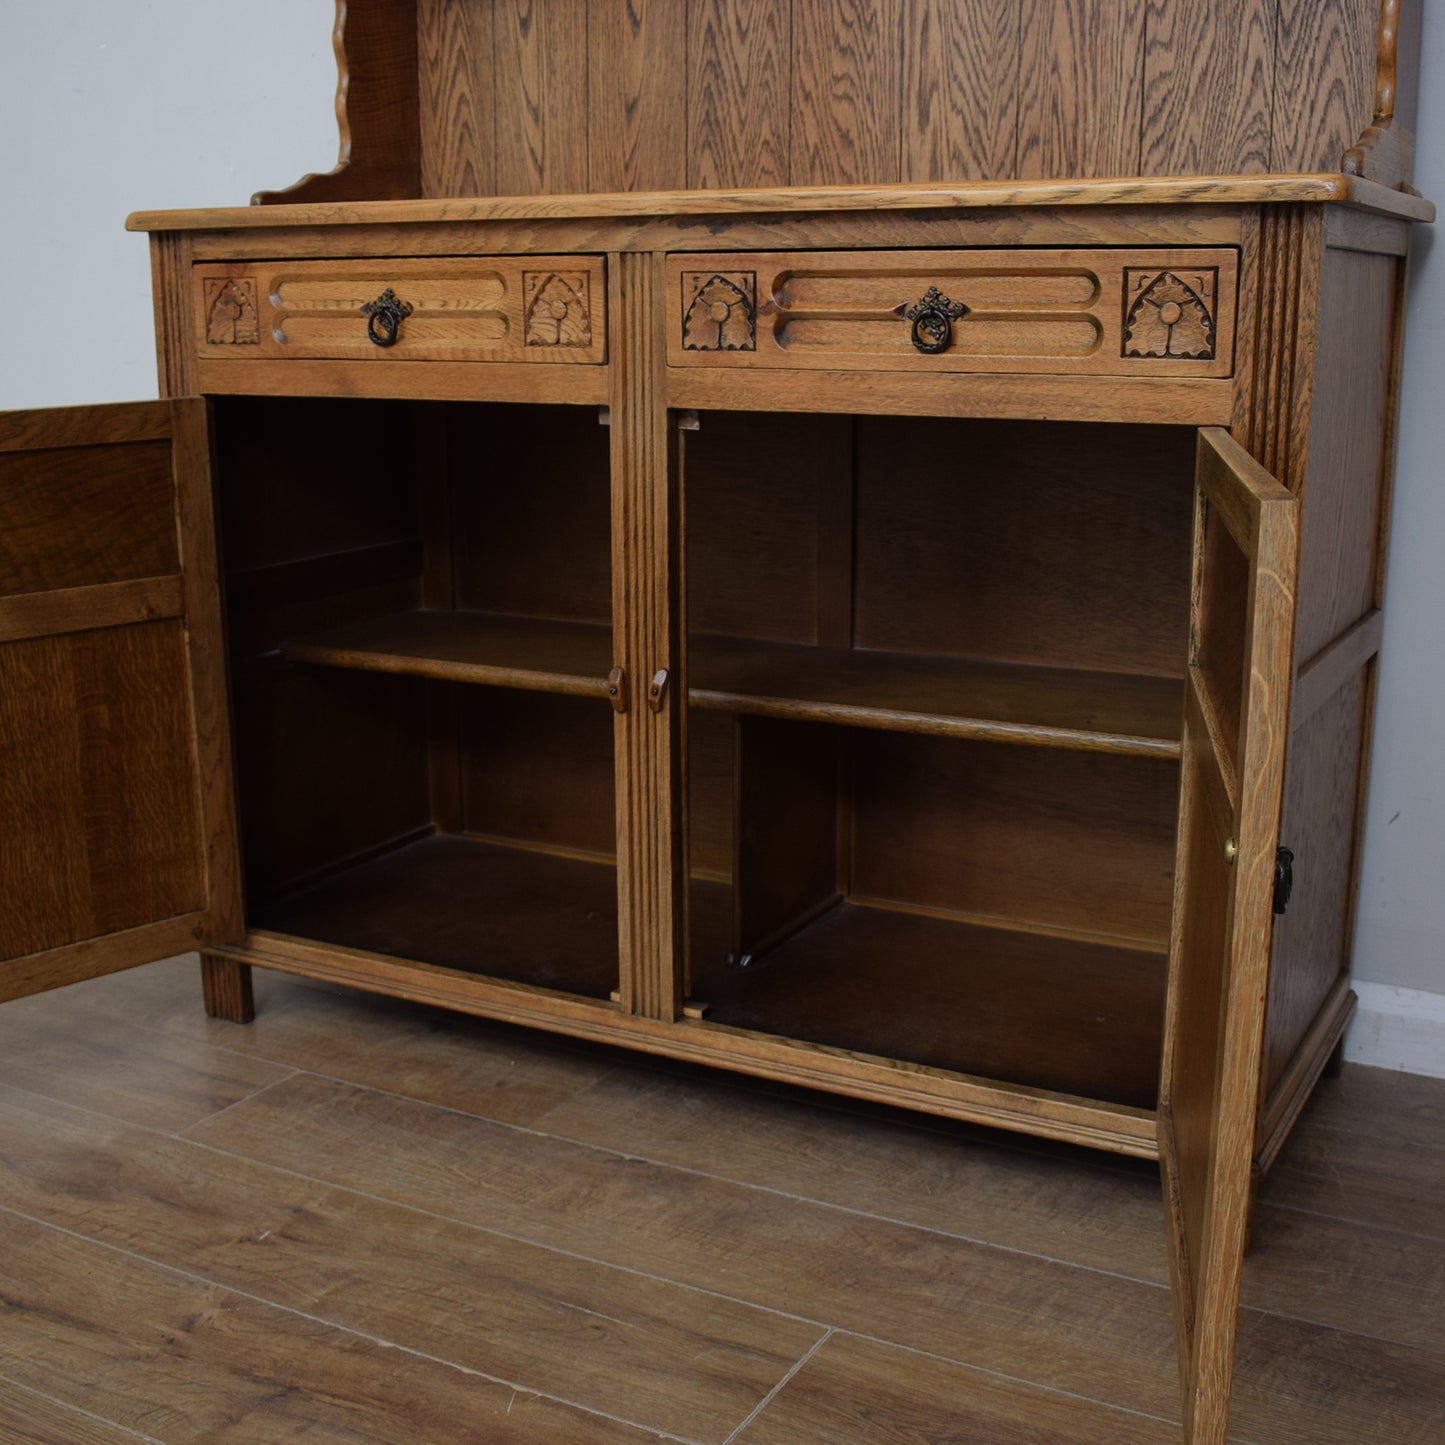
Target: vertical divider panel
[646,612]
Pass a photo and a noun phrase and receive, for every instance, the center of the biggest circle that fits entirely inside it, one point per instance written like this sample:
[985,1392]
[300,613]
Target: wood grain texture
[1325,72]
[1214,1023]
[724,92]
[226,989]
[85,516]
[28,1418]
[846,84]
[457,98]
[645,602]
[855,1390]
[1326,187]
[1364,1150]
[613,1341]
[938,1293]
[636,96]
[1311,946]
[1208,86]
[1079,97]
[80,1057]
[1037,838]
[739,89]
[501,381]
[909,692]
[540,50]
[959,90]
[1349,429]
[571,658]
[100,803]
[107,604]
[504,309]
[115,745]
[227,1362]
[1062,312]
[998,1004]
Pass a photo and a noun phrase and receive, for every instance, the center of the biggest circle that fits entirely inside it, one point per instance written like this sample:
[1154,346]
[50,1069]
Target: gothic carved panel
[557,309]
[1169,314]
[231,315]
[719,310]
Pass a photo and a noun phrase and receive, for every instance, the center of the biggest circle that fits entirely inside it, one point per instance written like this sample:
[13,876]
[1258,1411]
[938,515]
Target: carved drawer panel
[1116,311]
[483,308]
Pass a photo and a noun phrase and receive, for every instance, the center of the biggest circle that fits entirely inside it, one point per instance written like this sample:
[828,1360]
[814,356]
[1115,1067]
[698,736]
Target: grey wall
[1400,934]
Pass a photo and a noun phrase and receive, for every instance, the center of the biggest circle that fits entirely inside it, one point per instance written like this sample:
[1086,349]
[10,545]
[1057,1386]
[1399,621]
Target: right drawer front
[1098,311]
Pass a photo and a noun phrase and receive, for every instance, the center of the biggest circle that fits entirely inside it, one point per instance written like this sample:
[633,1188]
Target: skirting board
[1398,1028]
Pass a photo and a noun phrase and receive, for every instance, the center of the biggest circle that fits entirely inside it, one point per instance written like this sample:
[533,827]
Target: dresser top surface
[1315,188]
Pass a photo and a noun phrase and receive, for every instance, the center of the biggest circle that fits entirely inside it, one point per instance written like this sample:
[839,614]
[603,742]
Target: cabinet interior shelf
[531,654]
[531,917]
[902,692]
[946,696]
[1044,1010]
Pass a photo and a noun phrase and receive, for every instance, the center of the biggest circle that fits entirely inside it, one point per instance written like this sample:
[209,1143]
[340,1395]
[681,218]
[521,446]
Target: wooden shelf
[530,654]
[1039,1010]
[910,692]
[901,692]
[528,917]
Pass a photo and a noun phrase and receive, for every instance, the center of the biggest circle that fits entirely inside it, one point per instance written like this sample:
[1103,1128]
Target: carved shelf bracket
[1169,316]
[720,311]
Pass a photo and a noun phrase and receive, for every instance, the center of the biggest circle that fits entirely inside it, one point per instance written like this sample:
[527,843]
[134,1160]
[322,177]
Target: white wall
[109,108]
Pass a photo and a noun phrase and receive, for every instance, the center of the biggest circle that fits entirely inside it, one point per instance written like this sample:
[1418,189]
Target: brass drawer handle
[384,317]
[933,319]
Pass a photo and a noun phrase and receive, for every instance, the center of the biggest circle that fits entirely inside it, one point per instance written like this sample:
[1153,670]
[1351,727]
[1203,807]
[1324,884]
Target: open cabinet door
[1236,701]
[116,834]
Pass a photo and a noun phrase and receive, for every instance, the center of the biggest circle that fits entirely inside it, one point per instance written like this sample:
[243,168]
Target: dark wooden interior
[940,833]
[400,611]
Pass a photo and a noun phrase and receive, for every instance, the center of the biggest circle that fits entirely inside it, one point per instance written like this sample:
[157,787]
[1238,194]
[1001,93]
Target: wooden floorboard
[363,1220]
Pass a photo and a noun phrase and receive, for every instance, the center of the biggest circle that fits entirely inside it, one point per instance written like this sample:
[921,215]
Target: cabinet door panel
[115,835]
[1245,545]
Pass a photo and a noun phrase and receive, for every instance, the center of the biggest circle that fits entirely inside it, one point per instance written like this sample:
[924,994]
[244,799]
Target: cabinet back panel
[303,478]
[82,516]
[1063,545]
[101,824]
[531,511]
[537,769]
[1067,840]
[761,494]
[711,764]
[330,765]
[552,96]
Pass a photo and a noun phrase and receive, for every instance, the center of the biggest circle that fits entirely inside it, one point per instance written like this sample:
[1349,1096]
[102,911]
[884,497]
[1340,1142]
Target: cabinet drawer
[478,308]
[1115,311]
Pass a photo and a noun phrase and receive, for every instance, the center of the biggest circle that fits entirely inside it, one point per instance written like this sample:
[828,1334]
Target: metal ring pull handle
[384,317]
[933,319]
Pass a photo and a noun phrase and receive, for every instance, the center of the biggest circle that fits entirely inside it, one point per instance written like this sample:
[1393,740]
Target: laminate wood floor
[359,1220]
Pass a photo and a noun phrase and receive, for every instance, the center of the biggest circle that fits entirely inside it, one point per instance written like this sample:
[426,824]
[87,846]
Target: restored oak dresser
[720,529]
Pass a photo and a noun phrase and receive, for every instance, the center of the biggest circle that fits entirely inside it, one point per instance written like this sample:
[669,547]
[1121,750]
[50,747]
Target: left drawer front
[481,308]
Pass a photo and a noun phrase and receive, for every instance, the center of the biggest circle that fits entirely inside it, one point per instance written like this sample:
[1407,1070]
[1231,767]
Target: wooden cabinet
[907,640]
